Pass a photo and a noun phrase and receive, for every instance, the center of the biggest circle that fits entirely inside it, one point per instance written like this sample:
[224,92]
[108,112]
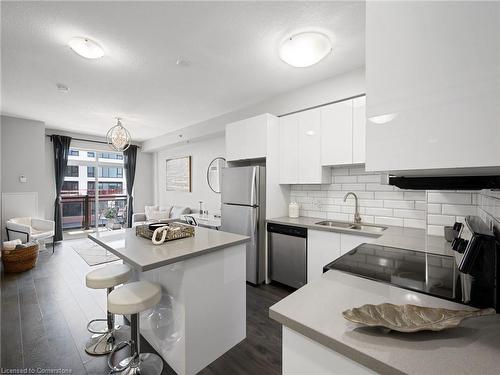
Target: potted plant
[110,214]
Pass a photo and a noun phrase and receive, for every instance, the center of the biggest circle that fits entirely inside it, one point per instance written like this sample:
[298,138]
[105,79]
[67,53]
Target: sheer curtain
[129,160]
[61,151]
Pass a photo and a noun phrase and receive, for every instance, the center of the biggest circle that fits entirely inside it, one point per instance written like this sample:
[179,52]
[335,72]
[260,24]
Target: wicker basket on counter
[20,259]
[176,231]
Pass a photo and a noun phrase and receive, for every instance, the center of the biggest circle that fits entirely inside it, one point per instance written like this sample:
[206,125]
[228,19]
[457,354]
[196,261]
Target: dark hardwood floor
[44,313]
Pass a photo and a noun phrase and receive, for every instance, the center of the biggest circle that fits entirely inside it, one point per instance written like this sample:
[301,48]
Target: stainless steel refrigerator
[243,195]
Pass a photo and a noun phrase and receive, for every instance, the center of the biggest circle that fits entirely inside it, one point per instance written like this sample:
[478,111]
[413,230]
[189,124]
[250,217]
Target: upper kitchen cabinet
[300,149]
[247,139]
[343,132]
[433,87]
[359,130]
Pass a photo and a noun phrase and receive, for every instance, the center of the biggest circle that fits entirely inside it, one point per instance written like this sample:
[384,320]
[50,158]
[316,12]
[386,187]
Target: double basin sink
[355,226]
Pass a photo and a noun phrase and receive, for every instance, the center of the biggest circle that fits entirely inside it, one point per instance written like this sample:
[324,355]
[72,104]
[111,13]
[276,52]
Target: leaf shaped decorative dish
[410,318]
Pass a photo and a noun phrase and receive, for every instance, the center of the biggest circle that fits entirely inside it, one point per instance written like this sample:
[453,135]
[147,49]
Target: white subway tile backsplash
[410,214]
[399,204]
[453,198]
[389,221]
[340,171]
[353,187]
[414,195]
[337,216]
[389,195]
[379,187]
[344,179]
[433,208]
[422,206]
[459,209]
[379,211]
[441,219]
[375,178]
[371,203]
[388,205]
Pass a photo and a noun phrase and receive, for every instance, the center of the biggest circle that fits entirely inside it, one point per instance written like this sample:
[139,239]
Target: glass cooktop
[431,274]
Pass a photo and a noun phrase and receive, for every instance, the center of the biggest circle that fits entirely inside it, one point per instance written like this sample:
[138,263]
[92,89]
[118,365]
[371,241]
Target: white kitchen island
[202,313]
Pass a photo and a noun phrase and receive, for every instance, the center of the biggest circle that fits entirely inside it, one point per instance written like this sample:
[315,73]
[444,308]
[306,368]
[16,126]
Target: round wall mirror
[214,173]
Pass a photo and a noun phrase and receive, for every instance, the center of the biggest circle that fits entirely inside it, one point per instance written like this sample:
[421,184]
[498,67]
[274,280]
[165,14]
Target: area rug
[91,252]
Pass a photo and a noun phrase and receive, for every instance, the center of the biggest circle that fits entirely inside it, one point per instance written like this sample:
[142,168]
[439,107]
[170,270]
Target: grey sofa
[175,213]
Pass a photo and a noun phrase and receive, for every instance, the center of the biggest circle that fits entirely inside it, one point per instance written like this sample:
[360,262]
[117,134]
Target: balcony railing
[79,208]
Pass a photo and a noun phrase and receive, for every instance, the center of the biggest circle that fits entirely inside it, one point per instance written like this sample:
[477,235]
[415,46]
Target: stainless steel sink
[360,227]
[336,224]
[368,228]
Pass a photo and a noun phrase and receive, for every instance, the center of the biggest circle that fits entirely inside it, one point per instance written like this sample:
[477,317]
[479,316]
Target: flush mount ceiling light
[305,49]
[86,47]
[118,137]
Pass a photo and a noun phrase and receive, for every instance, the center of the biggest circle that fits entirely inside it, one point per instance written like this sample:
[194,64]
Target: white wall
[336,88]
[22,152]
[202,153]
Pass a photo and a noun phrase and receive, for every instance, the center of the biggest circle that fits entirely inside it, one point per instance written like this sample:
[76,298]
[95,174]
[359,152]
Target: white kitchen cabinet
[247,139]
[433,87]
[300,149]
[289,149]
[323,247]
[359,130]
[350,241]
[343,132]
[336,133]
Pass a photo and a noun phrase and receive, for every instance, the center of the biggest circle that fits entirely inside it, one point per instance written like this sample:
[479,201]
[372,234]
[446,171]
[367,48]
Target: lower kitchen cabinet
[324,247]
[350,241]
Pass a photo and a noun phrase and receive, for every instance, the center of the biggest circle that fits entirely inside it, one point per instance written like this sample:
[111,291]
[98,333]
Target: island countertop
[144,256]
[315,311]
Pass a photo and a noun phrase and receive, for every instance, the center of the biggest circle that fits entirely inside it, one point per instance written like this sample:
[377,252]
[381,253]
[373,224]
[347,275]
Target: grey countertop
[315,311]
[407,238]
[143,255]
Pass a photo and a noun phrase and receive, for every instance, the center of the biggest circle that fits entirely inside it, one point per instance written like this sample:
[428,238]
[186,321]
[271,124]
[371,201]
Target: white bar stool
[104,330]
[131,299]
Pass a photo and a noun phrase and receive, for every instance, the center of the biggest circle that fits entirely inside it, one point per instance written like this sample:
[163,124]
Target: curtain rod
[85,140]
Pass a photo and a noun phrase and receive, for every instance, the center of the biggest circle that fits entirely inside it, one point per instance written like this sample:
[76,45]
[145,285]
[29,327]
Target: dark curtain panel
[129,160]
[61,152]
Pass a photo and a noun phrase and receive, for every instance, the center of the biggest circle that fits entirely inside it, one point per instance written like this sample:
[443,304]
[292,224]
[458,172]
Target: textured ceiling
[230,47]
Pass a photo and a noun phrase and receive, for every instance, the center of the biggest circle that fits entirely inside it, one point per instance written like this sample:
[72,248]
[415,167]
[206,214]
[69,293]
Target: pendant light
[118,137]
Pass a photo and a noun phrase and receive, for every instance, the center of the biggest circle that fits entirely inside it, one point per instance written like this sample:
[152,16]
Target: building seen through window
[79,195]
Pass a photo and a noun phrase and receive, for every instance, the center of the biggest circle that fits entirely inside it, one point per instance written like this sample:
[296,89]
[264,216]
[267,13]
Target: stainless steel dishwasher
[287,254]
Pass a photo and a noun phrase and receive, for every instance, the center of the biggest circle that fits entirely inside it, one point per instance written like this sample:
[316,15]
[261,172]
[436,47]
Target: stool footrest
[98,331]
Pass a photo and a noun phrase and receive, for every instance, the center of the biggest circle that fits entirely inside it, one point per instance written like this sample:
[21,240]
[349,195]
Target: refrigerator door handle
[254,186]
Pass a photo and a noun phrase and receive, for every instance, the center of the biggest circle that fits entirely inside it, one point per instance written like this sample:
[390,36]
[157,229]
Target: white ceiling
[231,48]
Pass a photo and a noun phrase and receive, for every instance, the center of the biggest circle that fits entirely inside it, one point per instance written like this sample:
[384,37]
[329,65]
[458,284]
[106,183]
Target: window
[111,172]
[90,171]
[110,155]
[73,152]
[91,154]
[70,186]
[72,171]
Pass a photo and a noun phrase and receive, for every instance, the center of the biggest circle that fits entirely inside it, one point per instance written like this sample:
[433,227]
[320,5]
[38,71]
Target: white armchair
[30,229]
